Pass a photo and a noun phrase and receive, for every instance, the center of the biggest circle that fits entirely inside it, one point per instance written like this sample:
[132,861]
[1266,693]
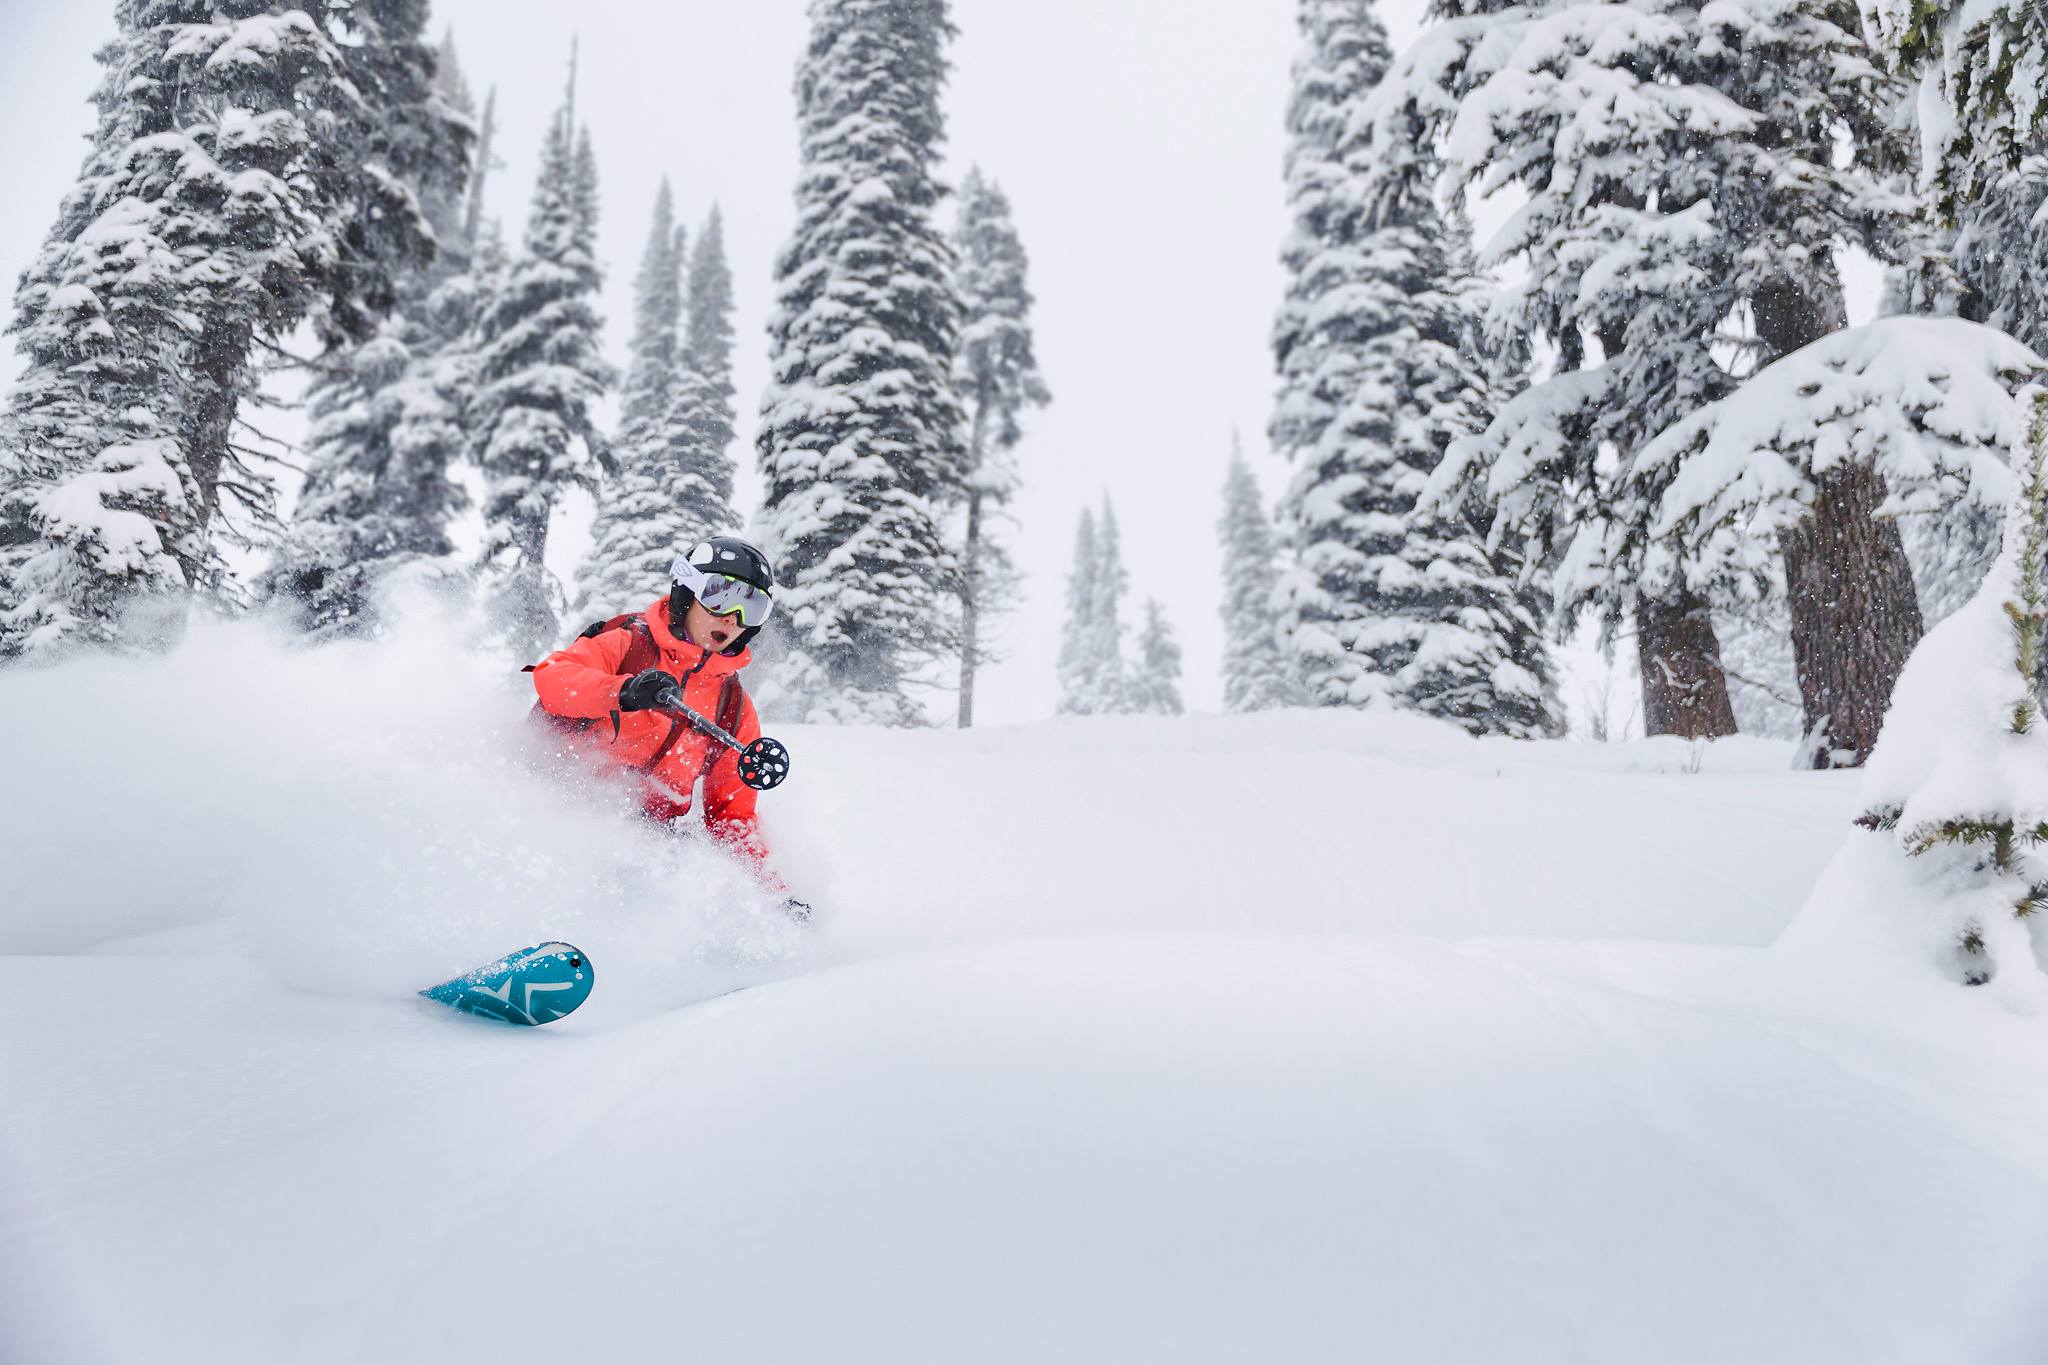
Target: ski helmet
[726,555]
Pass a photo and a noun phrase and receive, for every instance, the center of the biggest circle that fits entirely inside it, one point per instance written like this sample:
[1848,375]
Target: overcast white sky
[1140,142]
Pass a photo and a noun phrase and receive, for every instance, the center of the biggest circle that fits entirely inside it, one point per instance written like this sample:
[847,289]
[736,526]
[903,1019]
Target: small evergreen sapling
[1959,782]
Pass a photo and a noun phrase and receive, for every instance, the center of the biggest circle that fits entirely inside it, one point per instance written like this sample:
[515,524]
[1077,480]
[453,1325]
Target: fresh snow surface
[1291,1038]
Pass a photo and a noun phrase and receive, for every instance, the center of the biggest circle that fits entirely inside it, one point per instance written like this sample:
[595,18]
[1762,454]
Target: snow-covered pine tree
[640,527]
[1736,148]
[997,373]
[583,193]
[1539,464]
[386,428]
[81,416]
[860,442]
[1387,604]
[541,372]
[1155,682]
[250,170]
[702,416]
[1094,680]
[1959,780]
[1076,661]
[385,433]
[707,338]
[1257,674]
[1105,617]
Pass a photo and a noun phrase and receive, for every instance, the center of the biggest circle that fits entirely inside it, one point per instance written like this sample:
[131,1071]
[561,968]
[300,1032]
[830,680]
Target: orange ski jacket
[582,682]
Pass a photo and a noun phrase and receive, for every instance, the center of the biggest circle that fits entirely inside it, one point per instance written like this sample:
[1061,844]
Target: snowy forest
[1491,441]
[1408,639]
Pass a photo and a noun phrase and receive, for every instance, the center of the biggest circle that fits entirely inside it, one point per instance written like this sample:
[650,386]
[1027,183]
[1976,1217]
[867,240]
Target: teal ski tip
[535,985]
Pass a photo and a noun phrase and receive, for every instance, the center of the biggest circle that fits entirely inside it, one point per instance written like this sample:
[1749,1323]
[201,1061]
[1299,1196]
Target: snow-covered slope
[1302,1038]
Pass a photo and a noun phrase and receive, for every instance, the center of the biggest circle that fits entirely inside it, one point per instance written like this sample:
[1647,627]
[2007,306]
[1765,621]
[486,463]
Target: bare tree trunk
[970,564]
[1685,691]
[1855,614]
[1855,618]
[208,428]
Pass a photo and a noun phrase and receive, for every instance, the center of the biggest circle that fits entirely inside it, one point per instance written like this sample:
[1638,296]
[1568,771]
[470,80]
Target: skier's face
[715,633]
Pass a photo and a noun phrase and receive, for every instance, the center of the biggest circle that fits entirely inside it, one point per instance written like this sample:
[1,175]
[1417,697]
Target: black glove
[644,691]
[796,910]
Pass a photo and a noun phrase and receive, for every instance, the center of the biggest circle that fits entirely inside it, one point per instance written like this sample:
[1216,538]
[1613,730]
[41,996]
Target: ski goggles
[723,595]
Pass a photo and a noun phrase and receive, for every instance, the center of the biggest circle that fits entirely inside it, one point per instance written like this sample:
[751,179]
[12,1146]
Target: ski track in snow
[1302,1037]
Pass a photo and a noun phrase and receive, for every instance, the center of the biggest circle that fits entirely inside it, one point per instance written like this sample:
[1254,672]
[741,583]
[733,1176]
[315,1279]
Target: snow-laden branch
[1926,402]
[1984,81]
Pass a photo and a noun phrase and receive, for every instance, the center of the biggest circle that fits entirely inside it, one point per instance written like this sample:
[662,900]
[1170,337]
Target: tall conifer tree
[1076,661]
[1093,678]
[1105,624]
[702,416]
[386,429]
[997,371]
[860,441]
[251,170]
[1391,603]
[541,373]
[638,533]
[1257,674]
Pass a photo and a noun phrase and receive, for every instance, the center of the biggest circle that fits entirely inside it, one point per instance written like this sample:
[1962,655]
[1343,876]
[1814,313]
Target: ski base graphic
[532,986]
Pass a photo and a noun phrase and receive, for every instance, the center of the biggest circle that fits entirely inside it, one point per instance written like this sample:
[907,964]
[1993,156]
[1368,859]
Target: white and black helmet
[727,555]
[730,577]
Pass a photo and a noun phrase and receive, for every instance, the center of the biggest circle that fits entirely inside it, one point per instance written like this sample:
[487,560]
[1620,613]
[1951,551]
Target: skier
[607,687]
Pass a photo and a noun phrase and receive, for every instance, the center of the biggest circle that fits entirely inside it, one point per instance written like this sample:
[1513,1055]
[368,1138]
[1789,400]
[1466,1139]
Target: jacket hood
[673,641]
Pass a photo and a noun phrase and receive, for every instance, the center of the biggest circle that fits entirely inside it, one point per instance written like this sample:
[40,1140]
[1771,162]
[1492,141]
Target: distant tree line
[1664,421]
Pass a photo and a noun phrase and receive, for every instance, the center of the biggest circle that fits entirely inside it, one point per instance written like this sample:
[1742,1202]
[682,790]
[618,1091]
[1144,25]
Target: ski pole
[763,764]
